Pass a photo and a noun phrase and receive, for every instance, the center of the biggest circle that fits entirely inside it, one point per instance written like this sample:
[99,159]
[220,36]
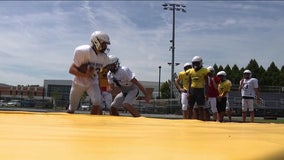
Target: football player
[249,91]
[181,83]
[197,87]
[94,54]
[124,79]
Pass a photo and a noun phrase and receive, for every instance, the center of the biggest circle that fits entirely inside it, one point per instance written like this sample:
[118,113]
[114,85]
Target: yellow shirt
[224,87]
[103,79]
[183,77]
[197,77]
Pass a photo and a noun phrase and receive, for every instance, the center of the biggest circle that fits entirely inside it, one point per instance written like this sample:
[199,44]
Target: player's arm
[206,85]
[110,87]
[241,84]
[189,86]
[74,70]
[141,88]
[177,84]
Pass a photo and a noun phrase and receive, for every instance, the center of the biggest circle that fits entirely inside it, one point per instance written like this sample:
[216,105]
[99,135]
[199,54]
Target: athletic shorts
[212,104]
[221,105]
[247,104]
[77,92]
[196,96]
[184,101]
[122,98]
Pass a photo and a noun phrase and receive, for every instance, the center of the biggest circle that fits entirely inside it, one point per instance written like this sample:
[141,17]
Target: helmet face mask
[100,40]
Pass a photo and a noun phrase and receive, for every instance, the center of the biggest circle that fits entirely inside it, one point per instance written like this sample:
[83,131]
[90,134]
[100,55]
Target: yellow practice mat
[61,136]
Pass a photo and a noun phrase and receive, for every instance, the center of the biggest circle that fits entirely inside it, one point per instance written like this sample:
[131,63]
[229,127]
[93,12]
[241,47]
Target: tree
[165,90]
[273,75]
[236,75]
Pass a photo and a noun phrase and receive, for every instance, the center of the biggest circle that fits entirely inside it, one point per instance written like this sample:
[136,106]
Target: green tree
[281,76]
[273,74]
[236,75]
[165,90]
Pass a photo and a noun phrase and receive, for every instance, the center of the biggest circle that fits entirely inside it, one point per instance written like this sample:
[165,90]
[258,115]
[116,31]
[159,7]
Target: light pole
[173,7]
[159,93]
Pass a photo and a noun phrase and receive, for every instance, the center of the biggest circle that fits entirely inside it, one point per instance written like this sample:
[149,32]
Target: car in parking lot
[14,103]
[3,103]
[85,106]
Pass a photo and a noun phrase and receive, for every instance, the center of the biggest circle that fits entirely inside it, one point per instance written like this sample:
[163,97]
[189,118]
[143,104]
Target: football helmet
[222,75]
[211,69]
[186,66]
[113,63]
[196,62]
[248,73]
[100,40]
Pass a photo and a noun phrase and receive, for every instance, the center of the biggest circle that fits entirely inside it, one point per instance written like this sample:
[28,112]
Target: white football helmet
[196,62]
[222,73]
[211,69]
[187,66]
[113,60]
[248,72]
[98,38]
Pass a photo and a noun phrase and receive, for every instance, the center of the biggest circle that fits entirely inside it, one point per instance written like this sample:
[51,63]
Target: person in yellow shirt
[197,87]
[181,83]
[224,87]
[106,95]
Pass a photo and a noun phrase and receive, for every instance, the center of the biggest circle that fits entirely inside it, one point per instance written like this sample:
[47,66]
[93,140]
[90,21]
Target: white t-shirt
[85,54]
[122,79]
[248,88]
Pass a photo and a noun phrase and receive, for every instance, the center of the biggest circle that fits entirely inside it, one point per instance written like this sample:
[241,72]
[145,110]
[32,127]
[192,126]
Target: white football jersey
[85,54]
[248,88]
[122,79]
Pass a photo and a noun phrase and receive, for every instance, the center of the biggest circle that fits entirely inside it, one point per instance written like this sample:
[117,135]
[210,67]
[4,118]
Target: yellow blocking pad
[61,136]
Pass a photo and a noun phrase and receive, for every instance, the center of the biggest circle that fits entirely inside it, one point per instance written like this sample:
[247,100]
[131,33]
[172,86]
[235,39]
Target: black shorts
[196,95]
[221,105]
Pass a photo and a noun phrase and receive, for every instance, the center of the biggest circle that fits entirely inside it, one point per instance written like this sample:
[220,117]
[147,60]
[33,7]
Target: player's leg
[94,93]
[76,93]
[206,111]
[117,102]
[130,97]
[200,100]
[229,111]
[192,108]
[244,109]
[213,105]
[251,110]
[184,104]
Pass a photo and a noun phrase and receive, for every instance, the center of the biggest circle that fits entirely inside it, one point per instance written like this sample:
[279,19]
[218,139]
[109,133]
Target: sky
[38,38]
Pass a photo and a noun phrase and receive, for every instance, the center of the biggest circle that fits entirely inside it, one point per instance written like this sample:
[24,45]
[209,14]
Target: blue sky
[38,37]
